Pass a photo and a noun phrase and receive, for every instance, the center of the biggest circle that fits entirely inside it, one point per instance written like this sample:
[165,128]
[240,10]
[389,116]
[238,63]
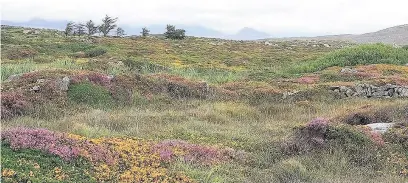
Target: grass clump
[90,94]
[359,55]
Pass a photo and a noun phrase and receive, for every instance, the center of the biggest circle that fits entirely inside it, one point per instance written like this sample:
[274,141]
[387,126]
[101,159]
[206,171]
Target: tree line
[109,24]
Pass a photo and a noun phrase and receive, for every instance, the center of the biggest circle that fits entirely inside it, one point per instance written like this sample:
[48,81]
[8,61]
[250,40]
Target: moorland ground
[95,109]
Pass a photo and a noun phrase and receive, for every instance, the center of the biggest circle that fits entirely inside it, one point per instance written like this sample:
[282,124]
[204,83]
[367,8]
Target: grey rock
[35,88]
[349,93]
[404,92]
[348,70]
[63,83]
[343,88]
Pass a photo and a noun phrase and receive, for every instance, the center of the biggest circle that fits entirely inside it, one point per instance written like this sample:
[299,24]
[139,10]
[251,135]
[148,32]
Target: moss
[90,94]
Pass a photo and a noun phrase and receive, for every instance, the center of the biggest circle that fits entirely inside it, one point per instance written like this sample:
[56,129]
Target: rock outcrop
[368,90]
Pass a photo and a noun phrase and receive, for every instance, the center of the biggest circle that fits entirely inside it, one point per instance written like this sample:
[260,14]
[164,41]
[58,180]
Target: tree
[91,27]
[69,28]
[108,24]
[120,32]
[145,32]
[79,29]
[173,33]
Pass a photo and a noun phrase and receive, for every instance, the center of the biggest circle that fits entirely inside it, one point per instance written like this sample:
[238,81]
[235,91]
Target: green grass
[37,166]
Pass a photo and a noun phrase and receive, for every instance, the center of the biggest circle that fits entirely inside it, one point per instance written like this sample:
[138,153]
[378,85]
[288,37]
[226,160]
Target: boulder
[348,70]
[349,93]
[380,127]
[63,83]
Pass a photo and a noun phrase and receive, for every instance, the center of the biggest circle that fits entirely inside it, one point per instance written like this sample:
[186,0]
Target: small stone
[13,77]
[40,80]
[35,88]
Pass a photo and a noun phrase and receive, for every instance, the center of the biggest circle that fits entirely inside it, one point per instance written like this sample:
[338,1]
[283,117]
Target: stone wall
[368,90]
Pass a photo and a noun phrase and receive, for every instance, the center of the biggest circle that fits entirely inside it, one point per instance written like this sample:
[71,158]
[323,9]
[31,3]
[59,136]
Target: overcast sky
[303,16]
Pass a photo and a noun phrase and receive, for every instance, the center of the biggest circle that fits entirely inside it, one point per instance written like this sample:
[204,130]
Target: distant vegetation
[173,33]
[109,24]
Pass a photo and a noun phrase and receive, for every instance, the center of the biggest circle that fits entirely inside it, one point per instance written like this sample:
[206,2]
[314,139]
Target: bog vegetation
[80,108]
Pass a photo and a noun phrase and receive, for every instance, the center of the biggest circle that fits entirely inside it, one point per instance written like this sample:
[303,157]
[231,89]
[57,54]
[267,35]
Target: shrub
[76,46]
[398,136]
[95,52]
[112,159]
[90,94]
[172,149]
[13,104]
[20,53]
[308,138]
[362,148]
[40,139]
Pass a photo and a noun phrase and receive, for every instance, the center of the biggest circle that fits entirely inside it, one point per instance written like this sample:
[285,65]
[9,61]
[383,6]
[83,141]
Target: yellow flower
[8,172]
[36,166]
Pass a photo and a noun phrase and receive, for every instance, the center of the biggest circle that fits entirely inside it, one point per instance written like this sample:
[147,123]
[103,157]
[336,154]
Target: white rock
[380,127]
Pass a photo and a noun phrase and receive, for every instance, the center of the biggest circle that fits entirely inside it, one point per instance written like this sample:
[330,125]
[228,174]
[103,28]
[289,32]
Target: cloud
[308,16]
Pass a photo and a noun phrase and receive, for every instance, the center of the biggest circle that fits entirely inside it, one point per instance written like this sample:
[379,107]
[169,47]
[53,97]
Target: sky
[313,17]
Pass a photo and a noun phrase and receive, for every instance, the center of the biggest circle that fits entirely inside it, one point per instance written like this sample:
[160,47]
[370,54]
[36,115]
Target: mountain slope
[397,35]
[394,35]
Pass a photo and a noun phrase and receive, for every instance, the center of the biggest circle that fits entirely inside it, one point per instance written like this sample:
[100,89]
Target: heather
[115,159]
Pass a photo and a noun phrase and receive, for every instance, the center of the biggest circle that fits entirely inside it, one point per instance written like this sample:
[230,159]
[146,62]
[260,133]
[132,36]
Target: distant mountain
[397,35]
[192,30]
[38,23]
[249,34]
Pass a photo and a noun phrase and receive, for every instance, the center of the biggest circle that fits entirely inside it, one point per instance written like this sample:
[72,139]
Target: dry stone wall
[368,90]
